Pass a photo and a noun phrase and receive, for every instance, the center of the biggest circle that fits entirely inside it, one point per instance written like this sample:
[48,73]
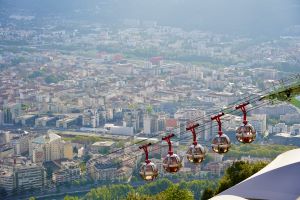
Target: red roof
[118,57]
[171,123]
[156,60]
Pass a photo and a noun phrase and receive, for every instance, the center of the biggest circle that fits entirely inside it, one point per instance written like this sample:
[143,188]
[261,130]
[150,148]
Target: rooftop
[104,143]
[46,138]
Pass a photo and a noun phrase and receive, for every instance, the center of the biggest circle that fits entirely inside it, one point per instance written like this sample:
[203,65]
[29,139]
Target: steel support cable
[179,139]
[228,107]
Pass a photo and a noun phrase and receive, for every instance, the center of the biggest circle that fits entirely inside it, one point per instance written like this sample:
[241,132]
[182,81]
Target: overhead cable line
[226,110]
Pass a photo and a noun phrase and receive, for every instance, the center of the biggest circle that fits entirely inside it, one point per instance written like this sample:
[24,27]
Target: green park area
[82,139]
[295,102]
[258,150]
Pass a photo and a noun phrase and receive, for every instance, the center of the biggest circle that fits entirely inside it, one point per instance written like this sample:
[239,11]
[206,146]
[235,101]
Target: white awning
[278,180]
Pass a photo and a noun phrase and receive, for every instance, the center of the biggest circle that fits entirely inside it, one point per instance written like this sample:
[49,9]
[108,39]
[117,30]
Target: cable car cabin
[195,153]
[148,171]
[221,144]
[246,133]
[172,163]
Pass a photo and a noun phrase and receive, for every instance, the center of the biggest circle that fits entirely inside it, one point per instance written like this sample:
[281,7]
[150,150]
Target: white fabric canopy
[278,180]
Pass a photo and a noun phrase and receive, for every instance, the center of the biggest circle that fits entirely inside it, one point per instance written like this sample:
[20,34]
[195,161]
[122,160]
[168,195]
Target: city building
[80,152]
[45,121]
[7,180]
[104,169]
[189,113]
[4,137]
[20,174]
[26,120]
[20,143]
[290,118]
[70,171]
[295,129]
[278,128]
[265,73]
[102,147]
[259,121]
[133,118]
[150,124]
[68,150]
[1,117]
[101,169]
[67,122]
[47,147]
[276,110]
[91,118]
[11,112]
[29,176]
[119,130]
[6,151]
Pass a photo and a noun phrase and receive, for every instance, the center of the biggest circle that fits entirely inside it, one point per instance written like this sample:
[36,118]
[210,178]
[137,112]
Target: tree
[75,150]
[197,186]
[35,74]
[82,166]
[175,193]
[207,194]
[109,192]
[25,107]
[238,172]
[149,109]
[136,196]
[71,198]
[103,150]
[155,187]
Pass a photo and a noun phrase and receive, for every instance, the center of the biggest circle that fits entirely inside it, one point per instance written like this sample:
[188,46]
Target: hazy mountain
[268,17]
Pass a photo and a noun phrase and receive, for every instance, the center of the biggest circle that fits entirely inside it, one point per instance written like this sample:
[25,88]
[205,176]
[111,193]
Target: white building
[11,112]
[21,144]
[47,147]
[119,130]
[259,122]
[278,128]
[1,117]
[150,124]
[80,152]
[20,174]
[90,118]
[4,137]
[190,113]
[295,129]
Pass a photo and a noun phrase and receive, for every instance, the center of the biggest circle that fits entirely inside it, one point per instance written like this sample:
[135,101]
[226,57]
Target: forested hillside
[163,189]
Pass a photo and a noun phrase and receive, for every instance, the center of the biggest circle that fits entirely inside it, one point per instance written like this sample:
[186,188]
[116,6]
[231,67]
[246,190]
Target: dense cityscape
[77,99]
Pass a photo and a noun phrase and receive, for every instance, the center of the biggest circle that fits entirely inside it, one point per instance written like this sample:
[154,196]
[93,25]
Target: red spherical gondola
[196,152]
[221,142]
[245,133]
[172,162]
[148,169]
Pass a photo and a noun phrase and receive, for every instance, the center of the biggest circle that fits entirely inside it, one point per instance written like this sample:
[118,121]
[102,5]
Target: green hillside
[163,189]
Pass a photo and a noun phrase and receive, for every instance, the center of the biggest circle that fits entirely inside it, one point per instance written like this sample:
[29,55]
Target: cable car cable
[280,82]
[188,136]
